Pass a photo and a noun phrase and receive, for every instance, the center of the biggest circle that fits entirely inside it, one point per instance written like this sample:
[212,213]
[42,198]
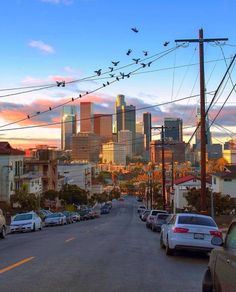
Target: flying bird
[145,53]
[115,63]
[129,52]
[98,72]
[134,29]
[111,69]
[166,44]
[122,75]
[149,64]
[136,60]
[144,65]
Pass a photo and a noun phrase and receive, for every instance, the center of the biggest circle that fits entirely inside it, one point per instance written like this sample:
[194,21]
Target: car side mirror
[218,241]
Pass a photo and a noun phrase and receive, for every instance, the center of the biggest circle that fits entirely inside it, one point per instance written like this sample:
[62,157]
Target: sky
[44,41]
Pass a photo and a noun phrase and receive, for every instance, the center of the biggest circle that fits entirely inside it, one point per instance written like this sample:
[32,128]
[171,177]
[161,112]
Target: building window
[227,179]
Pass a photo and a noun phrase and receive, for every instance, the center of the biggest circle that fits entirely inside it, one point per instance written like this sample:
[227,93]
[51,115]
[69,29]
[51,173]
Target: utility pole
[201,40]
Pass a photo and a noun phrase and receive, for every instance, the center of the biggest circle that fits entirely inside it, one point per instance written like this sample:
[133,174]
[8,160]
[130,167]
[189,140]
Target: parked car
[69,217]
[43,213]
[55,219]
[189,232]
[105,210]
[26,222]
[84,214]
[152,215]
[143,216]
[75,216]
[3,227]
[159,220]
[221,271]
[141,208]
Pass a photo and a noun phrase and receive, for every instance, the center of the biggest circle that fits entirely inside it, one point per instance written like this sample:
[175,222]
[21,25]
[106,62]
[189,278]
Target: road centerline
[17,264]
[69,239]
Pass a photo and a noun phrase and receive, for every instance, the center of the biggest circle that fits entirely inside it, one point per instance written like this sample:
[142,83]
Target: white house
[225,182]
[11,170]
[181,188]
[33,183]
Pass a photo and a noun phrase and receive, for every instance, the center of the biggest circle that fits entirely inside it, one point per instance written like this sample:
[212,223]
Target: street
[112,253]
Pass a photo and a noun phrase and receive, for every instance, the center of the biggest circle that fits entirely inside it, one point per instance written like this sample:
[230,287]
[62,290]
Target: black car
[105,209]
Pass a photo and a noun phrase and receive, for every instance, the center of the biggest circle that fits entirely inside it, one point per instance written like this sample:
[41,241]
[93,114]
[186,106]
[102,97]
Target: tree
[51,195]
[216,165]
[72,194]
[27,201]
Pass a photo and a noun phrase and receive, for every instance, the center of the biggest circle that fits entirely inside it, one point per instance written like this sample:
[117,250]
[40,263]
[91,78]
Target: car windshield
[23,217]
[54,215]
[196,220]
[162,216]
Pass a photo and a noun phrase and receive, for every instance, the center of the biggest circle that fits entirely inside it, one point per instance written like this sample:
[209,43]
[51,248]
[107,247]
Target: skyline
[37,52]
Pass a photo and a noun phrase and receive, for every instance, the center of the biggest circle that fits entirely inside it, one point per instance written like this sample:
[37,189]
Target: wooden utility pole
[201,40]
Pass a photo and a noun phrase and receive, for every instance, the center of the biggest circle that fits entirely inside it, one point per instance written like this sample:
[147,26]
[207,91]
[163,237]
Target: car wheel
[169,251]
[207,285]
[161,242]
[3,232]
[33,228]
[40,227]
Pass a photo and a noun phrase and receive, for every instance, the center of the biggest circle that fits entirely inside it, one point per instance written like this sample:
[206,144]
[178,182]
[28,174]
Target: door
[225,268]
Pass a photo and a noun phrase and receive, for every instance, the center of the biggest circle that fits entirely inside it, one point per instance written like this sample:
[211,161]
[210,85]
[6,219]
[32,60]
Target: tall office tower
[86,117]
[198,133]
[125,117]
[103,127]
[147,130]
[174,129]
[68,126]
[125,137]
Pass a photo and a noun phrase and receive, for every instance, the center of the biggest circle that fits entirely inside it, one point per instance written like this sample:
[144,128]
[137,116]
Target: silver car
[55,219]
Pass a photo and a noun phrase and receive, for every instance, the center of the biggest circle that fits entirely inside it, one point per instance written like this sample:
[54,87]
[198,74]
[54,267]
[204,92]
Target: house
[225,182]
[181,188]
[11,170]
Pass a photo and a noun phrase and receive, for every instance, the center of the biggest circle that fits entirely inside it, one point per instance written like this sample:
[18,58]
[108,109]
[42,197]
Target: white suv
[152,215]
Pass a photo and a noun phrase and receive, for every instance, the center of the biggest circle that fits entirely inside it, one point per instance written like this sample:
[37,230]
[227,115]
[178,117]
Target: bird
[108,83]
[134,29]
[166,44]
[50,108]
[117,78]
[144,65]
[104,85]
[112,75]
[72,99]
[145,53]
[63,83]
[60,83]
[136,60]
[37,113]
[98,72]
[122,75]
[127,75]
[115,63]
[111,69]
[149,64]
[87,92]
[28,116]
[129,52]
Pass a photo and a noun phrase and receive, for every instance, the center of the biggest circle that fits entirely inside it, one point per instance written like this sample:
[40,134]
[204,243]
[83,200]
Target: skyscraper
[174,129]
[125,117]
[68,126]
[86,117]
[198,133]
[147,125]
[103,126]
[125,137]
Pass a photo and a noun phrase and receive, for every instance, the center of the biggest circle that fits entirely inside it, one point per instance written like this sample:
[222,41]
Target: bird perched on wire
[127,75]
[115,63]
[122,75]
[61,83]
[111,69]
[112,75]
[149,64]
[136,60]
[134,29]
[166,44]
[129,52]
[145,53]
[98,72]
[143,65]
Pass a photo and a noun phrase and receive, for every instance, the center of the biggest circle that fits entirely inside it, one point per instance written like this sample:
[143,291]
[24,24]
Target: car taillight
[216,233]
[180,230]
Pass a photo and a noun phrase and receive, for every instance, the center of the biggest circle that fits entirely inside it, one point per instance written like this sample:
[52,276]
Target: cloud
[45,48]
[58,1]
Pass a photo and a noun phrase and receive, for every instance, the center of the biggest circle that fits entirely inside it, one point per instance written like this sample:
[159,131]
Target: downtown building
[114,153]
[86,117]
[125,137]
[68,126]
[173,129]
[103,127]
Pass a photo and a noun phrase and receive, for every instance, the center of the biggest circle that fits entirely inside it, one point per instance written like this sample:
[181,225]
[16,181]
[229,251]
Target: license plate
[198,236]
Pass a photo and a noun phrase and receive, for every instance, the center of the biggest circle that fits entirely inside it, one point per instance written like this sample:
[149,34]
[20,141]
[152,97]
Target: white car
[141,209]
[152,215]
[189,232]
[26,222]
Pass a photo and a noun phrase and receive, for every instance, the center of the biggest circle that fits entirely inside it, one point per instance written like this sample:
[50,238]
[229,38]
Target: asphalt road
[112,253]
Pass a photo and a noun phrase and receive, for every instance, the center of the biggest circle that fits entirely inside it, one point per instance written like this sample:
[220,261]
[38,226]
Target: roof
[6,149]
[229,172]
[185,179]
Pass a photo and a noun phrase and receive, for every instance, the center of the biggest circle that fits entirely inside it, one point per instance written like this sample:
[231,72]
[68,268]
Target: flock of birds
[115,63]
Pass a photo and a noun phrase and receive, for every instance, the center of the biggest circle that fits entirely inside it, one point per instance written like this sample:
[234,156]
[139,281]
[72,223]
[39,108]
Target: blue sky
[42,40]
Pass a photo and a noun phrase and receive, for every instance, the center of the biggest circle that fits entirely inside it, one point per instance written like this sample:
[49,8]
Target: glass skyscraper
[68,126]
